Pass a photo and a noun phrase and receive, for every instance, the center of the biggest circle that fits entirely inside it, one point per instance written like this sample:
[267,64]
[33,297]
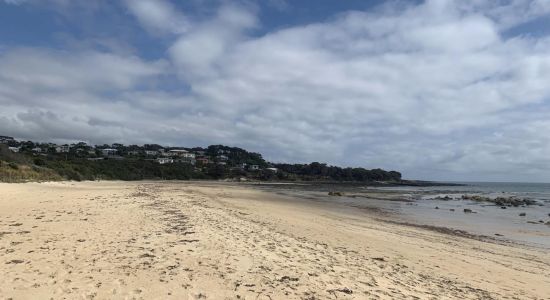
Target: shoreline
[212,240]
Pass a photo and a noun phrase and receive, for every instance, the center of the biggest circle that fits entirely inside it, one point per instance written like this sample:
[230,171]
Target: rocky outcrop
[501,201]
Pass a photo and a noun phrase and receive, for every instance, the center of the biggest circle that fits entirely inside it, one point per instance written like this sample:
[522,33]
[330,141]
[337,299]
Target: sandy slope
[156,240]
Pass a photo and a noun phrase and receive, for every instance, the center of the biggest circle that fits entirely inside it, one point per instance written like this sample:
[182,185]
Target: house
[183,155]
[133,152]
[151,152]
[272,169]
[36,150]
[165,160]
[188,159]
[6,139]
[95,158]
[253,167]
[178,152]
[62,149]
[108,151]
[222,158]
[203,160]
[14,149]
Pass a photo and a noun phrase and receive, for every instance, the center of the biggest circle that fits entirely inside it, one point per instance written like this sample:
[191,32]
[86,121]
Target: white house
[62,149]
[14,149]
[272,169]
[178,152]
[5,139]
[37,150]
[151,152]
[254,167]
[165,160]
[108,151]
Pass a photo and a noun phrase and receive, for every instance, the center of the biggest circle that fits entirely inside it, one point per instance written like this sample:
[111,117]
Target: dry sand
[174,240]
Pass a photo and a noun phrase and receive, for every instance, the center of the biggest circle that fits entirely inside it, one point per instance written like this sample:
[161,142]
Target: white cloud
[158,16]
[435,89]
[197,53]
[48,70]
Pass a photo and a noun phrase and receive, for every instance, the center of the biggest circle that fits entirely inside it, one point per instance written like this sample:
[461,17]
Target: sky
[436,89]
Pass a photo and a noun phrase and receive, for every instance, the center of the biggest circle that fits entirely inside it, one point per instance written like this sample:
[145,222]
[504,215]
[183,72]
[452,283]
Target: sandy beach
[208,240]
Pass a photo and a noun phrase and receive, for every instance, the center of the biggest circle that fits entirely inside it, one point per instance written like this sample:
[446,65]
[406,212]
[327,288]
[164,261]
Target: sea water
[487,218]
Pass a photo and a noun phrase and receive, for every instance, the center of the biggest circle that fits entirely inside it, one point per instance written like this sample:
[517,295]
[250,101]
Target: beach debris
[341,290]
[452,209]
[339,194]
[287,279]
[498,234]
[522,214]
[503,207]
[446,198]
[146,255]
[15,262]
[501,201]
[378,258]
[468,211]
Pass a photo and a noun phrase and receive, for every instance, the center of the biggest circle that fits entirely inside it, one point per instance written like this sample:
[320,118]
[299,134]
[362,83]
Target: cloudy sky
[438,89]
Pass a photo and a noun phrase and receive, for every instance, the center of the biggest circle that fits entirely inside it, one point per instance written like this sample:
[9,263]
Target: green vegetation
[40,162]
[319,171]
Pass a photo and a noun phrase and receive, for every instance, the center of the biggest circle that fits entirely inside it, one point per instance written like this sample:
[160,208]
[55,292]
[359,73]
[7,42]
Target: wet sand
[198,240]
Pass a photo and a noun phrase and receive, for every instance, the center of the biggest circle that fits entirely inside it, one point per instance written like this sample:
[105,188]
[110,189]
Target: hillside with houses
[82,161]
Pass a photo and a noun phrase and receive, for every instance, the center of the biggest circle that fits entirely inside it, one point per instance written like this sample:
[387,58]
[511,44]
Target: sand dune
[174,240]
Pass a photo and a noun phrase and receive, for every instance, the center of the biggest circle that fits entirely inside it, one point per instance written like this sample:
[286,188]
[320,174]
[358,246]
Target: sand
[197,240]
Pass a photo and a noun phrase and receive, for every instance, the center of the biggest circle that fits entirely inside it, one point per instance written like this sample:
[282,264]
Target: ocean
[528,224]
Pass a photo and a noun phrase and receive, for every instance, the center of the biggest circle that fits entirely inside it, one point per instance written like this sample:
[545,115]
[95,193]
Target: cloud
[49,70]
[434,89]
[368,84]
[158,16]
[197,52]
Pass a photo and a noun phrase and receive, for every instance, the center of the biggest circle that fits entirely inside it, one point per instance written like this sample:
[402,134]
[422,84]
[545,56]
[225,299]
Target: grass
[12,172]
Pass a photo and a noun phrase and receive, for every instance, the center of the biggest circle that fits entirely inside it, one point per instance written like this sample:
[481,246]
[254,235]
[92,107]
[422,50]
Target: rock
[288,278]
[522,214]
[503,207]
[467,210]
[339,194]
[343,290]
[15,261]
[501,201]
[498,234]
[452,209]
[437,207]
